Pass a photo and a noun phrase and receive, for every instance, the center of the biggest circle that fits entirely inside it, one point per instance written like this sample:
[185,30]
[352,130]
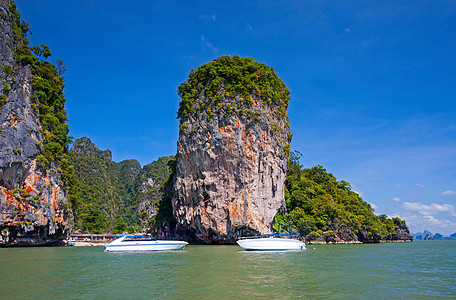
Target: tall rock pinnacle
[34,206]
[232,150]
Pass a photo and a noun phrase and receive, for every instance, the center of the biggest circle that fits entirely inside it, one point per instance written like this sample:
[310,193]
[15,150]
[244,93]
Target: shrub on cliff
[48,99]
[229,85]
[319,206]
[109,193]
[47,82]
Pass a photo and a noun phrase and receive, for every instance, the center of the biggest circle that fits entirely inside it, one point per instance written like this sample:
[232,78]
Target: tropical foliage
[109,193]
[48,84]
[162,200]
[320,206]
[48,99]
[230,85]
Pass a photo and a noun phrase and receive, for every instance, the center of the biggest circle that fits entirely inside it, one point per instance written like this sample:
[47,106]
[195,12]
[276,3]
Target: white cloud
[420,185]
[347,29]
[249,28]
[356,190]
[208,45]
[360,193]
[208,18]
[418,223]
[397,199]
[449,193]
[428,210]
[204,40]
[374,207]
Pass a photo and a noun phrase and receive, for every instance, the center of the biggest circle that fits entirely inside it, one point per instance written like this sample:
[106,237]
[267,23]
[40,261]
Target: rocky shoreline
[356,242]
[400,238]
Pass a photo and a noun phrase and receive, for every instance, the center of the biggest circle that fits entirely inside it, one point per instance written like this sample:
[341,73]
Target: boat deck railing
[272,235]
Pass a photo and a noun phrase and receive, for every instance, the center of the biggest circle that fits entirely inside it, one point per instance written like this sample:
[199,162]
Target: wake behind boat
[143,243]
[272,242]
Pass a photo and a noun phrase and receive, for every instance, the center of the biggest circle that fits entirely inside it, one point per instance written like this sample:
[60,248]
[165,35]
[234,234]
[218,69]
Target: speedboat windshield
[272,235]
[137,238]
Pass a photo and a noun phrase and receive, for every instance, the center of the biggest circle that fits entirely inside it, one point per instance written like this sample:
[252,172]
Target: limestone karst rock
[232,150]
[33,202]
[114,193]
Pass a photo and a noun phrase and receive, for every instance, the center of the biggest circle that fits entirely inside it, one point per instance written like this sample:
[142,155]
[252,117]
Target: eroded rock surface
[33,203]
[231,162]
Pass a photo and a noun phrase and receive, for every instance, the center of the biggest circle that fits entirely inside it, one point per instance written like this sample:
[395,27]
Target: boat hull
[271,244]
[155,245]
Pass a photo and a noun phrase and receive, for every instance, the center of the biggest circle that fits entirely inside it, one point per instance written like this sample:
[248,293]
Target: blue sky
[372,83]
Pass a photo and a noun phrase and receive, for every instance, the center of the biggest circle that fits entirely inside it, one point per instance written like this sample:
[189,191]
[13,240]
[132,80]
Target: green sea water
[418,270]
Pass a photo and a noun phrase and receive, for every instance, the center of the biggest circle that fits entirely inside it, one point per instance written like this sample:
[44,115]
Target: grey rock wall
[33,204]
[230,174]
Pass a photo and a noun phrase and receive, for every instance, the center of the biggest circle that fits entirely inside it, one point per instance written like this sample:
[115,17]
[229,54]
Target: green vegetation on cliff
[108,193]
[162,199]
[230,84]
[48,84]
[320,207]
[48,100]
[97,201]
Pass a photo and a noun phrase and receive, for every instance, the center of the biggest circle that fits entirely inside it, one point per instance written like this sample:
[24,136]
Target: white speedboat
[272,242]
[70,242]
[143,243]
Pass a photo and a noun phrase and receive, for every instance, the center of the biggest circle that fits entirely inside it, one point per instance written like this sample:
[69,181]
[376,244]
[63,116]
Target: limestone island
[234,173]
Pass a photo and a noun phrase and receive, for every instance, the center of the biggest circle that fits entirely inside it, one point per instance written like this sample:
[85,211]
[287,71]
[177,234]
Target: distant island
[427,236]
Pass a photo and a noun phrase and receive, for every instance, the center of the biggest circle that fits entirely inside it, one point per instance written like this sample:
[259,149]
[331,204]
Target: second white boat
[272,242]
[143,243]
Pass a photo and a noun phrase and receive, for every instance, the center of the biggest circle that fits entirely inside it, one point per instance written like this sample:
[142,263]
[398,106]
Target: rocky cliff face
[154,209]
[232,150]
[33,203]
[112,195]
